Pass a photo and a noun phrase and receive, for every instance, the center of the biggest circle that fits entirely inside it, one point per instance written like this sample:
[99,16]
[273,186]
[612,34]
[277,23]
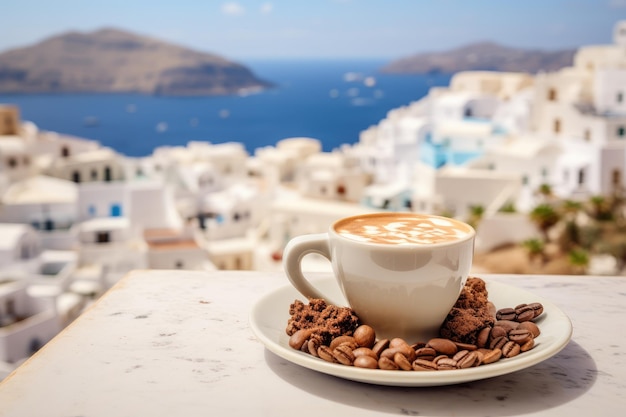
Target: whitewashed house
[332,176]
[584,108]
[175,249]
[15,159]
[529,158]
[113,243]
[20,247]
[26,322]
[48,204]
[98,165]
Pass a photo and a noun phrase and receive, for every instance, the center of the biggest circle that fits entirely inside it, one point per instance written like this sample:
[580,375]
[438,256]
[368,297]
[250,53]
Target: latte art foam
[402,229]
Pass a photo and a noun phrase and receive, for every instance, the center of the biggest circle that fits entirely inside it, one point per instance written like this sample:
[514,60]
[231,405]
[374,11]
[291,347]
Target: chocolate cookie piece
[328,321]
[470,314]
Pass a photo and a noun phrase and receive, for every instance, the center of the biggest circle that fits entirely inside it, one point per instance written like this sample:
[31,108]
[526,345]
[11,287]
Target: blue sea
[330,100]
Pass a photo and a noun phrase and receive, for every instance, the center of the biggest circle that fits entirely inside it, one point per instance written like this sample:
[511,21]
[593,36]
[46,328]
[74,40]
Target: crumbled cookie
[328,321]
[470,314]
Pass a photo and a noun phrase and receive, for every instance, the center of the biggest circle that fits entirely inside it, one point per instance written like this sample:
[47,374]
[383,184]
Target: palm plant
[579,260]
[544,216]
[600,208]
[535,249]
[476,215]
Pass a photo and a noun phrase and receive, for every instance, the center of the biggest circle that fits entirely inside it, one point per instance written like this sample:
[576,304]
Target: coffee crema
[401,228]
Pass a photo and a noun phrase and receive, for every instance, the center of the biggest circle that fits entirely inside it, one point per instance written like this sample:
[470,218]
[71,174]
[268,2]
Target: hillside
[486,56]
[115,61]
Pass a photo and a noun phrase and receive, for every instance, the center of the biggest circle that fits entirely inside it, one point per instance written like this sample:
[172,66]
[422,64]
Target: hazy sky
[322,28]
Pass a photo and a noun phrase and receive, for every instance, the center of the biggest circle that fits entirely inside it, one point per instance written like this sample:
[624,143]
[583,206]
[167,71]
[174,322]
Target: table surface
[178,343]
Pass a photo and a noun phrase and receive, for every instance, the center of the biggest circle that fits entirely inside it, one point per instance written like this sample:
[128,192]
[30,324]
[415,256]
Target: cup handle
[293,253]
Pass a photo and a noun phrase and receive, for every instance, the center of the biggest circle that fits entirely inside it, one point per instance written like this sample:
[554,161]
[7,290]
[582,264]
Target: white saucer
[269,316]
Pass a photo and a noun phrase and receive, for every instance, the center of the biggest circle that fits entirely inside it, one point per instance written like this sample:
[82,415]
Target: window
[10,307]
[544,172]
[557,125]
[34,345]
[525,180]
[341,189]
[621,131]
[616,177]
[587,135]
[116,210]
[179,265]
[620,97]
[103,237]
[107,174]
[12,162]
[94,174]
[91,210]
[65,152]
[552,94]
[76,176]
[581,177]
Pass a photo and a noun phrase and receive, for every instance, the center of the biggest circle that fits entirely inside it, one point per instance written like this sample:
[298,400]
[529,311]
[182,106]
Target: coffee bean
[510,349]
[424,365]
[520,336]
[403,349]
[444,346]
[505,314]
[497,332]
[343,354]
[379,346]
[426,353]
[365,335]
[402,362]
[482,339]
[528,345]
[339,340]
[531,327]
[363,351]
[525,313]
[465,359]
[325,353]
[312,346]
[365,362]
[491,356]
[446,364]
[299,337]
[465,346]
[498,342]
[537,308]
[508,325]
[387,364]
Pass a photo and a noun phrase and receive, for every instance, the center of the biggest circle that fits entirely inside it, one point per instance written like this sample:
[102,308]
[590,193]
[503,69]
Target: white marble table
[176,343]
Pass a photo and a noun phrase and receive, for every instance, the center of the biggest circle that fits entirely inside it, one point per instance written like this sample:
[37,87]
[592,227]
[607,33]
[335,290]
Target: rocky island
[483,56]
[116,61]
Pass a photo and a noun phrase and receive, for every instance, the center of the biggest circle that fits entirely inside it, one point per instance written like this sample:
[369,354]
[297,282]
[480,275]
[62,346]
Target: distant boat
[91,121]
[369,81]
[353,92]
[352,76]
[161,127]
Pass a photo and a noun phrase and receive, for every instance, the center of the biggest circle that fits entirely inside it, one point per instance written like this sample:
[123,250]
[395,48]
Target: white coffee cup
[400,272]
